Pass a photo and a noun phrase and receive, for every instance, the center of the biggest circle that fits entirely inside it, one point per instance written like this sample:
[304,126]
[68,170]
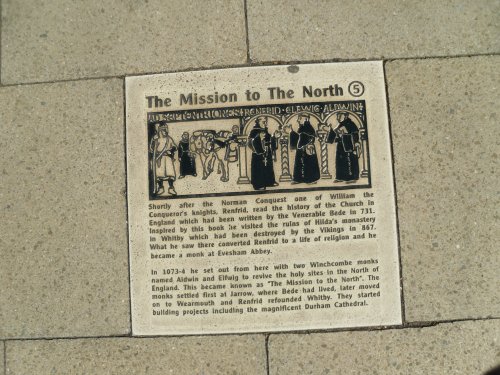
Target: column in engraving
[242,160]
[364,153]
[322,133]
[285,154]
[285,159]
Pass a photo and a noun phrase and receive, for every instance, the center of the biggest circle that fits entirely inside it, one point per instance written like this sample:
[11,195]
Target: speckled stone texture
[63,242]
[461,348]
[301,30]
[445,138]
[55,40]
[232,355]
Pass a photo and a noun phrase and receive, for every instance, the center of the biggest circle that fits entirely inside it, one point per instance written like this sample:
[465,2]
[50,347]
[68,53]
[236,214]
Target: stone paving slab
[188,355]
[64,267]
[301,30]
[459,348]
[56,40]
[444,115]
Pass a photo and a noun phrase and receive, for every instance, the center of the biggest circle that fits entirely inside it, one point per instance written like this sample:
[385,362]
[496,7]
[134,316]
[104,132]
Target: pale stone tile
[460,348]
[54,40]
[300,30]
[64,266]
[187,355]
[444,115]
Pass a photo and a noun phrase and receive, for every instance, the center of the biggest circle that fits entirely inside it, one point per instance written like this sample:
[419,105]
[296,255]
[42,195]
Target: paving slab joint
[394,186]
[53,338]
[408,325]
[443,57]
[245,8]
[425,324]
[126,202]
[249,64]
[267,354]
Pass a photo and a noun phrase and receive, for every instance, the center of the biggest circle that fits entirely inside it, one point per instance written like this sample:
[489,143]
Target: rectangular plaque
[261,199]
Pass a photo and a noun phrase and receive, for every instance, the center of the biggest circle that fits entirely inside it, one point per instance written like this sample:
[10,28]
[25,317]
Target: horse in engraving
[211,148]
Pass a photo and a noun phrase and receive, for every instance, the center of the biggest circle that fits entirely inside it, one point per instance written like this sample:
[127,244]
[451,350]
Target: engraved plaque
[261,199]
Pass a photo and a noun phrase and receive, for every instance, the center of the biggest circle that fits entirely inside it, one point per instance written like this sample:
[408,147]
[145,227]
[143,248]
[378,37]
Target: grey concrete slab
[55,40]
[301,30]
[187,355]
[458,348]
[64,267]
[444,115]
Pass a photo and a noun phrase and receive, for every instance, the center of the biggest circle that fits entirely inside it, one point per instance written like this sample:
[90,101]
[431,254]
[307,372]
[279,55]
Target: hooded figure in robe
[187,159]
[263,147]
[306,167]
[346,136]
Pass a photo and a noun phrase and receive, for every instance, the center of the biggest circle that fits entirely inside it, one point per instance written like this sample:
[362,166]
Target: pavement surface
[64,288]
